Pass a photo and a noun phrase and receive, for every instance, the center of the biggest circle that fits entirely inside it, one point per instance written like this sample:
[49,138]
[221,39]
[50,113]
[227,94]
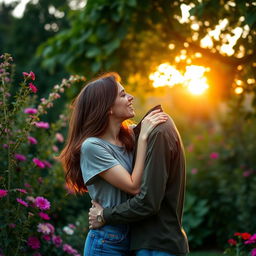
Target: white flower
[68,230]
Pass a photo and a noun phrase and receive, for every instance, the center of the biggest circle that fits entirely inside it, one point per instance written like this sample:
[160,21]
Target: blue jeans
[145,252]
[108,241]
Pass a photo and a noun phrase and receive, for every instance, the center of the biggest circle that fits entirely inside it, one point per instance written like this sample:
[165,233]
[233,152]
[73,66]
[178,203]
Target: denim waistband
[123,228]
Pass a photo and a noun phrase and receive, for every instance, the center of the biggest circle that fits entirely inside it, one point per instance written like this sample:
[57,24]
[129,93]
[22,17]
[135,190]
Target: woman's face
[122,108]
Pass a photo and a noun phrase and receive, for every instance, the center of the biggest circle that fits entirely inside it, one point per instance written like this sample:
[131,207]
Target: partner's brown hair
[90,118]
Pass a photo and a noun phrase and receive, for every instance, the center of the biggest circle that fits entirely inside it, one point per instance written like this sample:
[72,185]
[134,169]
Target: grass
[206,253]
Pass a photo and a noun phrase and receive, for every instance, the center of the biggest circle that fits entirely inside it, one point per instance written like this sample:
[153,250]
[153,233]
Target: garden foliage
[222,178]
[37,212]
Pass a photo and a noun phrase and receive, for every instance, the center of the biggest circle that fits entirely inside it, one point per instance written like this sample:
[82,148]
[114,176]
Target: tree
[22,36]
[133,37]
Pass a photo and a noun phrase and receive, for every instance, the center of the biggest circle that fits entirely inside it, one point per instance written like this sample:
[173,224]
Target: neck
[112,132]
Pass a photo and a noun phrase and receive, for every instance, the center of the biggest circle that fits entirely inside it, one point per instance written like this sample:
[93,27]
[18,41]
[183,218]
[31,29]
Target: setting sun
[193,78]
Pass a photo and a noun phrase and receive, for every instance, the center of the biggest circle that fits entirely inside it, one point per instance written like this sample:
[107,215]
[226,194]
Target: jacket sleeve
[155,175]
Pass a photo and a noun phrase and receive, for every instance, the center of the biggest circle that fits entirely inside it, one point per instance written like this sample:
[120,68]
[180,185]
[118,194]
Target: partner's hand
[95,211]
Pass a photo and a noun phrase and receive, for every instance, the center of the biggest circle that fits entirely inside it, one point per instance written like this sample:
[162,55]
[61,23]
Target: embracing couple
[135,175]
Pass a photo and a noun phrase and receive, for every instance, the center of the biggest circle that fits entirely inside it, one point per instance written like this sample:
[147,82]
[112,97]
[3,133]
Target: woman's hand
[153,119]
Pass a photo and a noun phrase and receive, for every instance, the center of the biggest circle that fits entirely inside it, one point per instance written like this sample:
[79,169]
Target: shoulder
[166,127]
[91,143]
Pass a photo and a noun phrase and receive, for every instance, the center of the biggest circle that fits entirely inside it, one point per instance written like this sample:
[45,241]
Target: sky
[18,11]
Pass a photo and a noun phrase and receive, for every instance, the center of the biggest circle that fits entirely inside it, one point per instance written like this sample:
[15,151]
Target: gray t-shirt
[98,155]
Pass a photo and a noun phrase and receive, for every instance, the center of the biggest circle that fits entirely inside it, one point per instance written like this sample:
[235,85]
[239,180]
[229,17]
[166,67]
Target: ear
[110,112]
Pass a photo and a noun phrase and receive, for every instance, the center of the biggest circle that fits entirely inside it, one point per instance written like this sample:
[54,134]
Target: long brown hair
[90,118]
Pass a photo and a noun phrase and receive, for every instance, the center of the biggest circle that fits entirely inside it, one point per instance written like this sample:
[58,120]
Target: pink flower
[30,110]
[30,199]
[38,163]
[20,157]
[55,148]
[72,226]
[3,193]
[68,249]
[43,228]
[40,180]
[57,241]
[59,137]
[12,225]
[51,227]
[44,216]
[253,252]
[22,190]
[247,173]
[5,146]
[43,125]
[190,148]
[19,200]
[33,242]
[29,75]
[214,155]
[32,140]
[47,164]
[32,87]
[42,203]
[37,254]
[194,171]
[27,185]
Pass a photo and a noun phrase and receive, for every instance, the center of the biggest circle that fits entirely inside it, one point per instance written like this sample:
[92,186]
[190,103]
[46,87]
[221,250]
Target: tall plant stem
[8,141]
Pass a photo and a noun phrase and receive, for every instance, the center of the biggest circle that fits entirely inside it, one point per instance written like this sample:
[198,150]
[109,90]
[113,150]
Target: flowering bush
[221,170]
[30,177]
[242,244]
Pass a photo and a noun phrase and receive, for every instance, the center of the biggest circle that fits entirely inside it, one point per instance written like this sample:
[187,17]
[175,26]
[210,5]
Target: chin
[132,114]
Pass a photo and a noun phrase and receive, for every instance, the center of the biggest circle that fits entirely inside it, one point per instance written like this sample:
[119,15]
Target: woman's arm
[118,176]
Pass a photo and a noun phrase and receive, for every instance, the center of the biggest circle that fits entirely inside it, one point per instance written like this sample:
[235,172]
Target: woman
[99,154]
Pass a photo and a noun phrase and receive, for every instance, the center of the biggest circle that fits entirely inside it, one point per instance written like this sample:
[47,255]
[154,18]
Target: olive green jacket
[155,214]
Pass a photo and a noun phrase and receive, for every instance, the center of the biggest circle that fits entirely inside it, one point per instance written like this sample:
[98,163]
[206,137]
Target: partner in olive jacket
[155,214]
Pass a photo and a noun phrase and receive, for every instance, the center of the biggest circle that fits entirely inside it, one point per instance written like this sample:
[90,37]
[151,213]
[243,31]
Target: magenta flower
[32,140]
[42,203]
[20,157]
[3,193]
[44,216]
[29,75]
[38,163]
[30,110]
[24,191]
[43,125]
[68,249]
[214,155]
[33,242]
[251,240]
[19,200]
[57,241]
[47,238]
[32,87]
[253,252]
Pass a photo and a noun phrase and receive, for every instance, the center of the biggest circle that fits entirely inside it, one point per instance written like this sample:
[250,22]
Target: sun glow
[193,78]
